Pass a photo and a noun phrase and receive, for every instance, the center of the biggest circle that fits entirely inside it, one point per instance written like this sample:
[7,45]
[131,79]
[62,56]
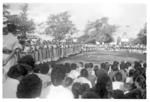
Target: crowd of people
[32,71]
[117,80]
[46,51]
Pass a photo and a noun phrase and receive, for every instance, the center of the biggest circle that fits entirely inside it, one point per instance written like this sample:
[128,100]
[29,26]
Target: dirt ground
[100,56]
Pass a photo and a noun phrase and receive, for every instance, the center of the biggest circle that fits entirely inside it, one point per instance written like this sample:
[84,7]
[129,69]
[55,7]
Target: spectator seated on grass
[91,74]
[118,94]
[76,90]
[74,73]
[103,86]
[83,78]
[57,88]
[118,83]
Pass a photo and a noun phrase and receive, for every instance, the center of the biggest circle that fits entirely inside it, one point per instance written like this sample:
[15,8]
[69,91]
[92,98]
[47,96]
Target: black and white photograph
[74,51]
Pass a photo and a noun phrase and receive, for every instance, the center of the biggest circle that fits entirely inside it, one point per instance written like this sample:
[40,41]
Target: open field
[100,56]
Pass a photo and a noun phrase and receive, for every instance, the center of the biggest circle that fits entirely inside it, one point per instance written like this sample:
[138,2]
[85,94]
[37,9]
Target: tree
[24,25]
[142,36]
[6,13]
[60,25]
[99,30]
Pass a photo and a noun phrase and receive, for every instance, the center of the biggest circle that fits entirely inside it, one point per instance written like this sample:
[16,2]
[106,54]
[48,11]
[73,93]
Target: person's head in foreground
[28,59]
[29,87]
[76,89]
[18,71]
[117,94]
[103,86]
[57,76]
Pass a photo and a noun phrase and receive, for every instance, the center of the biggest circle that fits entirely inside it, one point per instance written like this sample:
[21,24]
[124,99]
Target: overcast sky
[133,15]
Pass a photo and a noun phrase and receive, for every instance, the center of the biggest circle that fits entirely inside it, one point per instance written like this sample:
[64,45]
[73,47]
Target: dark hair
[36,70]
[87,65]
[128,64]
[84,87]
[91,65]
[141,81]
[118,94]
[114,67]
[53,64]
[144,65]
[81,63]
[97,70]
[107,65]
[96,67]
[29,87]
[44,68]
[131,72]
[12,28]
[18,70]
[84,73]
[101,85]
[76,89]
[67,67]
[118,76]
[137,65]
[57,76]
[115,63]
[122,65]
[28,59]
[103,65]
[73,66]
[90,95]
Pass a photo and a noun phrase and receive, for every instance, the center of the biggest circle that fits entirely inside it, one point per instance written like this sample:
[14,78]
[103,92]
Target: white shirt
[45,79]
[10,88]
[73,74]
[10,42]
[59,92]
[118,85]
[83,80]
[129,80]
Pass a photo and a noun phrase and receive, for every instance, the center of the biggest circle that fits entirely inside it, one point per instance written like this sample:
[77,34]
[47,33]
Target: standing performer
[10,44]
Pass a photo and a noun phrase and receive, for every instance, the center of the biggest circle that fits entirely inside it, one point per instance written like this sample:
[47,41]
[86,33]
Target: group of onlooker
[117,80]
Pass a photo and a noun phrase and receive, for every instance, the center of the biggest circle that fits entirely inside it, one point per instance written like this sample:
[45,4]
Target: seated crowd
[117,80]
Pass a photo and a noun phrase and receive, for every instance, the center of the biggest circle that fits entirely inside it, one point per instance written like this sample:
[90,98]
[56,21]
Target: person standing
[10,45]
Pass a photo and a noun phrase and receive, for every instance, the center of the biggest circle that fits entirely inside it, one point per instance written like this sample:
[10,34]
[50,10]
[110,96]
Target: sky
[131,17]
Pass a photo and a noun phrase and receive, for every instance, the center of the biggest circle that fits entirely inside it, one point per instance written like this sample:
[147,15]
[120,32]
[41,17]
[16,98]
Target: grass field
[100,56]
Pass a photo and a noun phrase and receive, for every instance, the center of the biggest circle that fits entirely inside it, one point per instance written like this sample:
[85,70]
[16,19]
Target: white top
[10,42]
[129,80]
[118,85]
[74,74]
[10,88]
[83,80]
[59,92]
[45,79]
